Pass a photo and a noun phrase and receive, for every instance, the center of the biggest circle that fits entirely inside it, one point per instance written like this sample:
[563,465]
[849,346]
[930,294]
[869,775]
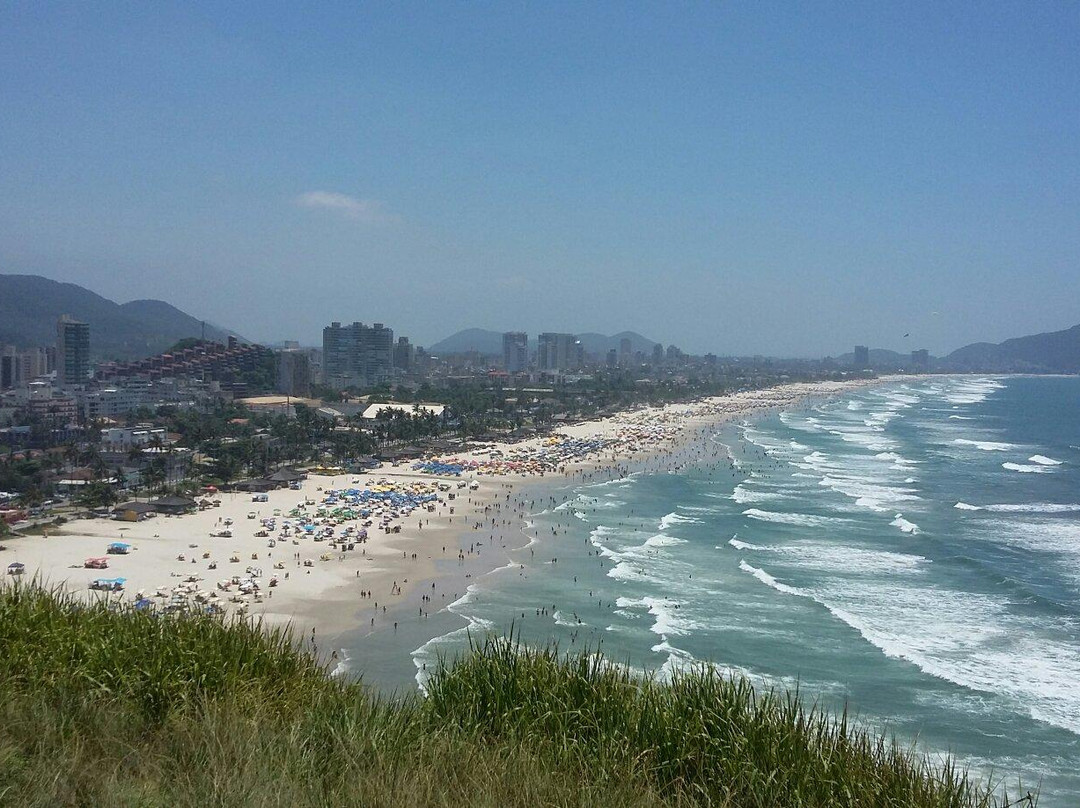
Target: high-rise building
[920,359]
[19,367]
[612,358]
[294,373]
[626,348]
[658,354]
[404,355]
[559,352]
[515,351]
[72,351]
[9,367]
[357,355]
[862,357]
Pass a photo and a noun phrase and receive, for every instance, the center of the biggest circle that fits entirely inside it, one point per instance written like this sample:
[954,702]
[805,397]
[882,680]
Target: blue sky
[783,179]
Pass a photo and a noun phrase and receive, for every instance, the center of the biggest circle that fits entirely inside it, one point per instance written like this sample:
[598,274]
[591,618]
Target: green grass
[112,707]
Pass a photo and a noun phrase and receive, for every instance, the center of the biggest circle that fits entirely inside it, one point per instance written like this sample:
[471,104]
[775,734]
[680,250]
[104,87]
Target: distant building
[515,351]
[72,351]
[50,406]
[404,355]
[626,349]
[294,373]
[658,354]
[17,367]
[109,402]
[9,367]
[862,357]
[357,355]
[673,353]
[920,360]
[559,353]
[613,358]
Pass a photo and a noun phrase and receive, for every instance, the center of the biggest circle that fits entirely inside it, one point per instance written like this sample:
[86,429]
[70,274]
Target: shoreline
[703,420]
[470,533]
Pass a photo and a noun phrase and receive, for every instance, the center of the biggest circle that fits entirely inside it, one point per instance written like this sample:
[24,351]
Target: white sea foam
[970,639]
[670,617]
[846,560]
[963,506]
[797,519]
[677,661]
[985,445]
[660,540]
[972,392]
[744,545]
[866,494]
[1043,460]
[899,463]
[1026,469]
[595,536]
[1035,507]
[562,620]
[675,519]
[767,579]
[904,525]
[627,571]
[743,495]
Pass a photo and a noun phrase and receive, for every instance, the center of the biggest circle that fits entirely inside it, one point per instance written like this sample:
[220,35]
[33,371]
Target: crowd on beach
[344,548]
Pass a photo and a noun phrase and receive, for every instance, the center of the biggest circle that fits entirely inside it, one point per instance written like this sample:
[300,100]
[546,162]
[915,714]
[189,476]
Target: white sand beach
[333,590]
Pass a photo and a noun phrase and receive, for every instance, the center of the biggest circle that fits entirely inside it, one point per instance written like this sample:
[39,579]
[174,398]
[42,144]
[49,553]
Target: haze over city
[738,178]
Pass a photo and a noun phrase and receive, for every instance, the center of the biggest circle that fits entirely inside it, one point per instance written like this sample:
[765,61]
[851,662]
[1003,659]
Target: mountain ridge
[1046,352]
[31,304]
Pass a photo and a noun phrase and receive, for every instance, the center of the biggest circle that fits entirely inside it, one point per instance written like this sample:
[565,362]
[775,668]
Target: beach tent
[118,548]
[16,568]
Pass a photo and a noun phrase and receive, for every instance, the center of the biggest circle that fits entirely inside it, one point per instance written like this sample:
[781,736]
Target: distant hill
[490,342]
[471,339]
[30,306]
[1053,352]
[599,345]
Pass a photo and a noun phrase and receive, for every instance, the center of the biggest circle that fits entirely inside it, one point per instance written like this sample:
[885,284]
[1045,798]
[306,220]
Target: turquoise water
[912,550]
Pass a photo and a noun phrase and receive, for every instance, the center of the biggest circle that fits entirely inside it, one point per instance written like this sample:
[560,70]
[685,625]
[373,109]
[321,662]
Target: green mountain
[1053,352]
[30,306]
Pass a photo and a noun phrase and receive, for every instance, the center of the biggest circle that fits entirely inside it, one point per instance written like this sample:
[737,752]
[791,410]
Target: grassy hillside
[110,707]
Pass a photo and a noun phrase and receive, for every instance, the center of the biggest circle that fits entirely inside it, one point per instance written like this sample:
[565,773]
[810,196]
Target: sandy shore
[325,595]
[391,575]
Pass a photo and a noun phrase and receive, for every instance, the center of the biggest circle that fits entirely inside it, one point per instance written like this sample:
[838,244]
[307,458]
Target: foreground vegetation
[112,707]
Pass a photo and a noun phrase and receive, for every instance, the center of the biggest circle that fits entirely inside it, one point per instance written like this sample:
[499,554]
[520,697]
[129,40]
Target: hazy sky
[737,177]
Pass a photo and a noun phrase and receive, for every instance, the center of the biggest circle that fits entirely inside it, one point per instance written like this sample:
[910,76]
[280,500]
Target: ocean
[910,550]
